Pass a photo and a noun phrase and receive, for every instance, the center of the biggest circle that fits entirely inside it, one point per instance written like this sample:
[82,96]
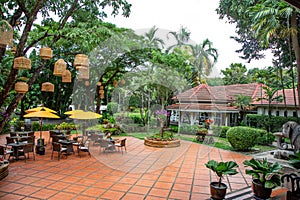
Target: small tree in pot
[218,189]
[265,177]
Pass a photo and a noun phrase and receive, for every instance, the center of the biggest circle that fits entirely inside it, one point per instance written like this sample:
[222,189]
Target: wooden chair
[106,145]
[57,147]
[4,151]
[31,133]
[12,134]
[83,147]
[121,145]
[26,150]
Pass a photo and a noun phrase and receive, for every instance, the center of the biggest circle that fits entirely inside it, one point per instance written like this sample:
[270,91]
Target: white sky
[198,16]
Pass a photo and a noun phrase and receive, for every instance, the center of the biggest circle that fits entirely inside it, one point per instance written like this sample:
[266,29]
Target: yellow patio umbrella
[42,114]
[85,116]
[39,109]
[71,112]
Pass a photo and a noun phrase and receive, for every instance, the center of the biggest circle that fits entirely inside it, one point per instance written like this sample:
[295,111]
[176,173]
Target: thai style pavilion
[217,103]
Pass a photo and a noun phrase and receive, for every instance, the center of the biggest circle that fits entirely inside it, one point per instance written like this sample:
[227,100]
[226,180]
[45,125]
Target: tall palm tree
[267,18]
[153,41]
[182,37]
[205,56]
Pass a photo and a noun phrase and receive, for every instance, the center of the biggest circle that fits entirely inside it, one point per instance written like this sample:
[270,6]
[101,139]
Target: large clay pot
[216,192]
[259,190]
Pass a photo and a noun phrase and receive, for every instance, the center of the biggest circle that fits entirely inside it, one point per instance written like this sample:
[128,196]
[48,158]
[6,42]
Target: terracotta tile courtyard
[140,173]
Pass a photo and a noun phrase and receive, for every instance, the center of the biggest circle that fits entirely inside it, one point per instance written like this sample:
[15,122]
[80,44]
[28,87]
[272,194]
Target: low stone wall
[162,144]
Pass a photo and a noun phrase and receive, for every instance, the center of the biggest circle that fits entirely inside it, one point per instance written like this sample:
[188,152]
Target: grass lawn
[221,143]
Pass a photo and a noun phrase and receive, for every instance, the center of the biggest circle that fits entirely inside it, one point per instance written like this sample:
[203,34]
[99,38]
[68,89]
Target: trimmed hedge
[242,138]
[274,123]
[188,129]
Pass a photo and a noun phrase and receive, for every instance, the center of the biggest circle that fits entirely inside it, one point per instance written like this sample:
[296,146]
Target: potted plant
[265,177]
[218,189]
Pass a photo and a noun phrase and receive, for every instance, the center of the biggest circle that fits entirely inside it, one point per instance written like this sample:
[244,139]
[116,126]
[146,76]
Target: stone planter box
[162,144]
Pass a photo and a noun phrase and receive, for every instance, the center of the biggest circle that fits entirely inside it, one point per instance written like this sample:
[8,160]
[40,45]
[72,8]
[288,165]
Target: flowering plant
[162,114]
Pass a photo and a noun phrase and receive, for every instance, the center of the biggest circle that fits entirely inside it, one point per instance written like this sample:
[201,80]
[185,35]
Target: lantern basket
[101,96]
[115,83]
[22,63]
[21,87]
[123,81]
[81,60]
[101,91]
[99,83]
[86,83]
[47,87]
[46,53]
[101,87]
[66,76]
[59,67]
[6,32]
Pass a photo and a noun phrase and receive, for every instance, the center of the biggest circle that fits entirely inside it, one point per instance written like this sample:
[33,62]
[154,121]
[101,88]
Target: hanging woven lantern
[6,32]
[115,83]
[123,82]
[101,96]
[47,87]
[59,67]
[86,83]
[13,50]
[66,77]
[101,91]
[22,63]
[99,84]
[83,73]
[81,60]
[21,87]
[101,87]
[46,53]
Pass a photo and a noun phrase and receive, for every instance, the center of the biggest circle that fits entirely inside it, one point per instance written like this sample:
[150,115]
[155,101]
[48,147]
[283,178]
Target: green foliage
[266,139]
[65,126]
[168,136]
[242,138]
[222,168]
[175,128]
[266,173]
[224,131]
[112,107]
[47,127]
[35,126]
[294,160]
[235,74]
[274,122]
[189,129]
[136,118]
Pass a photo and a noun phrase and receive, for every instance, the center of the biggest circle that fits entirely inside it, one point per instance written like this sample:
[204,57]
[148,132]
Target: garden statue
[291,130]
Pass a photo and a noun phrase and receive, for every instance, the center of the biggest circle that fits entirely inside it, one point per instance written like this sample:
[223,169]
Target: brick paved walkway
[141,173]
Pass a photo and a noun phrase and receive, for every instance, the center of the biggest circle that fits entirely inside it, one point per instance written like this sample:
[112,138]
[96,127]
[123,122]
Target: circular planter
[162,144]
[260,192]
[217,192]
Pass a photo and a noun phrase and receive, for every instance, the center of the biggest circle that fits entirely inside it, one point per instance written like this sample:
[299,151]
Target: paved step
[245,194]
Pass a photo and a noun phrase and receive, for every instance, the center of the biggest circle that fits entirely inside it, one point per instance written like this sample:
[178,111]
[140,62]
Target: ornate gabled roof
[226,93]
[202,107]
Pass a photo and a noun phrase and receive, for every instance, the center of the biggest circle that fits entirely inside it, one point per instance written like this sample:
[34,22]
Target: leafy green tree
[76,24]
[243,103]
[235,74]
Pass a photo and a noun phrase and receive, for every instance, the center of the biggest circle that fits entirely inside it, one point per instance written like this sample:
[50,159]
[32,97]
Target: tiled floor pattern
[141,173]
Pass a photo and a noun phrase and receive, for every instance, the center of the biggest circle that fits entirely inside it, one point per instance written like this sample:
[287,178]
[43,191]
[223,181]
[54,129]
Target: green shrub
[112,107]
[188,129]
[47,127]
[224,131]
[266,139]
[175,128]
[242,138]
[35,126]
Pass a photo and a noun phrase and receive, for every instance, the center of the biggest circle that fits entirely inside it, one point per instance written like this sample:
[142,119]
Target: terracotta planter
[260,192]
[217,192]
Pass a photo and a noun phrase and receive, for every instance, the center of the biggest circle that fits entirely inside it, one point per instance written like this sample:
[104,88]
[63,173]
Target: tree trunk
[296,49]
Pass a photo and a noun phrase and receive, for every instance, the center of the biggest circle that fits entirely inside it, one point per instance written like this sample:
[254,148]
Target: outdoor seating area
[140,173]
